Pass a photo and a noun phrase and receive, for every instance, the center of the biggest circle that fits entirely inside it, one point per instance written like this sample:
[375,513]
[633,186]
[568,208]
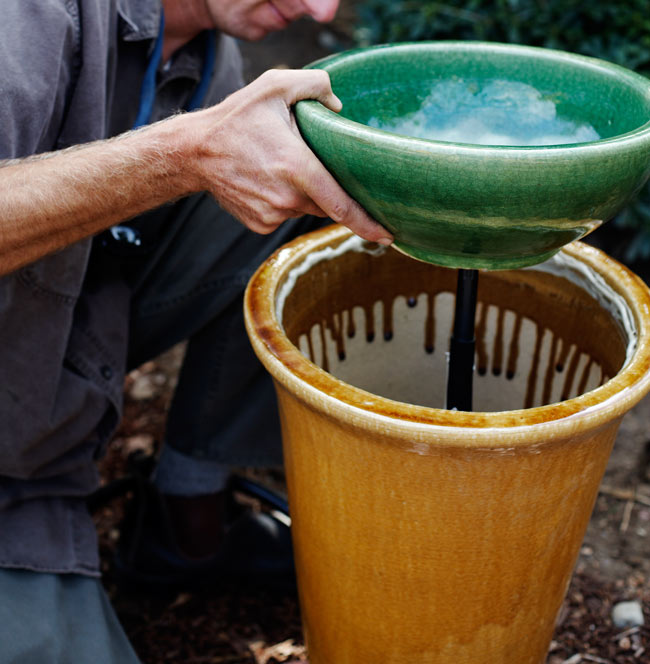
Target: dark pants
[186,281]
[58,619]
[190,285]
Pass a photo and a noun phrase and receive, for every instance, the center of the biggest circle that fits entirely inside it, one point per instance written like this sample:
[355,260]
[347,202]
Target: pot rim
[494,430]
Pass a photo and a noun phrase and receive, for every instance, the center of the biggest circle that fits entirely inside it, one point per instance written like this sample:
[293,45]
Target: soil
[253,626]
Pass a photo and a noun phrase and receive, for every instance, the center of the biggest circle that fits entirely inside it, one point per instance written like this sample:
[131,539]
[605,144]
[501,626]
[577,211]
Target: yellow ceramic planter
[425,536]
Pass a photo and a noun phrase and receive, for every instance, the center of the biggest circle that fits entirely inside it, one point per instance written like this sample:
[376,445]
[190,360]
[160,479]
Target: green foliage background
[615,31]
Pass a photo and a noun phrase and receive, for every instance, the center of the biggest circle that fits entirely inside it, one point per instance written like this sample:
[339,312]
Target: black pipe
[460,369]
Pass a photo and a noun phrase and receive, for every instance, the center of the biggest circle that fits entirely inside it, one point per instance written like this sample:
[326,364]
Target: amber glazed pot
[429,536]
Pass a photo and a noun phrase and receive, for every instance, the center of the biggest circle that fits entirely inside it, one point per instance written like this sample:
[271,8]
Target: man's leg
[192,288]
[75,622]
[224,412]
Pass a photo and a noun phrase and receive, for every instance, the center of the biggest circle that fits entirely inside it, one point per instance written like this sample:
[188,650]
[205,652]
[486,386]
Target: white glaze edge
[585,277]
[353,243]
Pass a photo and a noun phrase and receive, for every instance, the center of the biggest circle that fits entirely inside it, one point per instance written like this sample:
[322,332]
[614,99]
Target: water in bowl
[495,112]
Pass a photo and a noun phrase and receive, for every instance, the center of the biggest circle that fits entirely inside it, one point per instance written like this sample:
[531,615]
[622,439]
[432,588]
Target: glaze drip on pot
[549,351]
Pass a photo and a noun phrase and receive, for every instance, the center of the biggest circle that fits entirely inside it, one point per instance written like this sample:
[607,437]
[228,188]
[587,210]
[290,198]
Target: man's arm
[50,201]
[247,152]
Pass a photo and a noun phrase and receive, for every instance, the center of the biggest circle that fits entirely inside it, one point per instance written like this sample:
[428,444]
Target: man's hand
[253,160]
[246,151]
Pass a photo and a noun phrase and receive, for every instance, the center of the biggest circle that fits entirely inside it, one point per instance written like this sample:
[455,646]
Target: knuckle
[318,82]
[261,222]
[262,228]
[270,220]
[323,77]
[275,78]
[340,211]
[293,166]
[267,75]
[274,200]
[284,168]
[285,200]
[295,202]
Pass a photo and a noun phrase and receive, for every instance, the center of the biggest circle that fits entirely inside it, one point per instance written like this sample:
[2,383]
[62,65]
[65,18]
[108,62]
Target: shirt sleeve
[39,51]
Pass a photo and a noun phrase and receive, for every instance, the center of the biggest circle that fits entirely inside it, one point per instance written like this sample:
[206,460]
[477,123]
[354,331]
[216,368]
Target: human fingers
[319,185]
[297,84]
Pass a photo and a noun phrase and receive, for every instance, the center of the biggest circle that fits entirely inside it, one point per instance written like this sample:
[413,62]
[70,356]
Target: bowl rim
[357,407]
[316,111]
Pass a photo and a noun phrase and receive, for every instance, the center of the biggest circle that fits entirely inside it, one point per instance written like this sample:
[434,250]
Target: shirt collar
[140,19]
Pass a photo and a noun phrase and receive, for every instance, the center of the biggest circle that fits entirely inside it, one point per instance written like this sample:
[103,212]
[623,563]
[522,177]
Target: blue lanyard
[126,238]
[148,90]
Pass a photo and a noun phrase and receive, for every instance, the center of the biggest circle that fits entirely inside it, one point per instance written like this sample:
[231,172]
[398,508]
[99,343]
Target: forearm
[50,201]
[246,151]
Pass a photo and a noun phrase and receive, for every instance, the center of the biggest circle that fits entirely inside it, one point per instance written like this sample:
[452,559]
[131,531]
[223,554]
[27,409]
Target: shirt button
[106,372]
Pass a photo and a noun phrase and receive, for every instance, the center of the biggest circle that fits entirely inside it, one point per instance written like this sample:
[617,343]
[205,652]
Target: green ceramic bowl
[482,155]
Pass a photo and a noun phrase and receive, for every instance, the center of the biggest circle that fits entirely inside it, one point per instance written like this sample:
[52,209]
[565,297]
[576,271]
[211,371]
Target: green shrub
[615,31]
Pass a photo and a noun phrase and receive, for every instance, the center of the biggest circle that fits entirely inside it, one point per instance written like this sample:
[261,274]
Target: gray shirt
[72,71]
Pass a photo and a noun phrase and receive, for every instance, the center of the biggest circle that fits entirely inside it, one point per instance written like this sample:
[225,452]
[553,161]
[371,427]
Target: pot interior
[381,321]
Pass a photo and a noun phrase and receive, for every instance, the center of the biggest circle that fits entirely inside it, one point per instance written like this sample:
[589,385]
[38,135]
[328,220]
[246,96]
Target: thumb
[311,84]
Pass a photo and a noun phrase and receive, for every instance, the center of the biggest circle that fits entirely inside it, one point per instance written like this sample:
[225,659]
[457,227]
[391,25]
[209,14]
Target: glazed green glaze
[568,145]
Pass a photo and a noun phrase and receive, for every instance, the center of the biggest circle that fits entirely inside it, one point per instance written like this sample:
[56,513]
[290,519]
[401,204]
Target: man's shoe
[255,546]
